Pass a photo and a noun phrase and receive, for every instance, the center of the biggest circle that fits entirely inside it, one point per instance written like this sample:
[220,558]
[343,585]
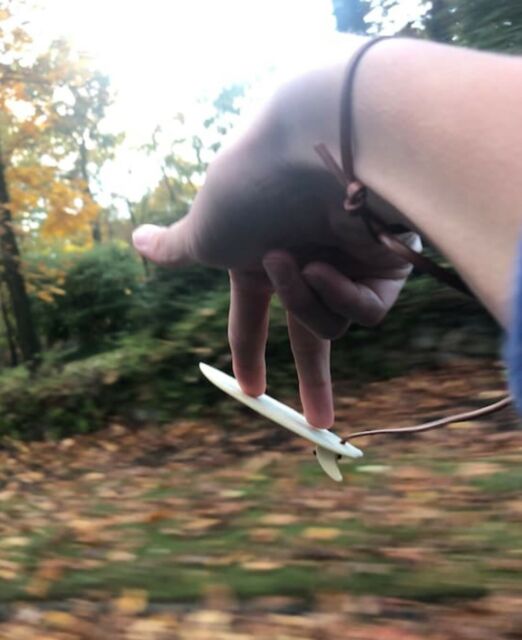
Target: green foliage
[489,25]
[99,290]
[167,325]
[166,296]
[226,109]
[480,24]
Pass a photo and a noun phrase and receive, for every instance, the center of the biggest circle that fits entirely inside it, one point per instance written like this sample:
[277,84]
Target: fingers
[250,294]
[312,360]
[299,299]
[164,245]
[365,301]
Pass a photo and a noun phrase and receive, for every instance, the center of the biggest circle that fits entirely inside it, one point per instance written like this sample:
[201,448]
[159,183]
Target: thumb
[163,245]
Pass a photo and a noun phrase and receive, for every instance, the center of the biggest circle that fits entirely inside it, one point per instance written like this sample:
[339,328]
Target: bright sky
[163,55]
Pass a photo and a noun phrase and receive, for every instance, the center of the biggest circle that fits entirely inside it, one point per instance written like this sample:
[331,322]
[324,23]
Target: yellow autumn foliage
[45,281]
[36,191]
[35,176]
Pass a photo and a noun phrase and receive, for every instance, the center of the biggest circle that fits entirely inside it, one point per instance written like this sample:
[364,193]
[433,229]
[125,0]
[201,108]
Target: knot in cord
[355,196]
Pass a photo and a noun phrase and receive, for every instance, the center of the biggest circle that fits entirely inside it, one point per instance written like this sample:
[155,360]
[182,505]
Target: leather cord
[436,424]
[356,204]
[347,151]
[356,191]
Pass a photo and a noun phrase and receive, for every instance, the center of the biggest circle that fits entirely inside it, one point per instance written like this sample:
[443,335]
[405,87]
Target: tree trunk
[84,159]
[9,333]
[10,258]
[96,231]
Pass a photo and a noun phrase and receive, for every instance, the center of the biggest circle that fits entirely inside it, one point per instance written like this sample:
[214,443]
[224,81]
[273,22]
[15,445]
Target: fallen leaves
[9,570]
[321,533]
[47,573]
[264,535]
[14,542]
[262,565]
[128,518]
[198,525]
[118,555]
[491,394]
[278,519]
[475,469]
[60,620]
[151,629]
[464,424]
[131,602]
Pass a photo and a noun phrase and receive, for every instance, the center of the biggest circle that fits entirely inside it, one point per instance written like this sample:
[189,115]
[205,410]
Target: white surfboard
[328,445]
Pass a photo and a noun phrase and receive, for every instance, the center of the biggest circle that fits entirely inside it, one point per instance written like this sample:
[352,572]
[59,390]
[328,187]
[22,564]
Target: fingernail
[143,236]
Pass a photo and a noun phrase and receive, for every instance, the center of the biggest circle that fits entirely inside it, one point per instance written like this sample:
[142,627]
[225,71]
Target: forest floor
[231,531]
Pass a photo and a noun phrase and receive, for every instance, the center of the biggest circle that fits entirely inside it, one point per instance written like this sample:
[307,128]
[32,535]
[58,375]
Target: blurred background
[135,500]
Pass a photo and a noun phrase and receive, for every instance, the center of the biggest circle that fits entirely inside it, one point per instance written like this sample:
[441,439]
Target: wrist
[307,108]
[443,147]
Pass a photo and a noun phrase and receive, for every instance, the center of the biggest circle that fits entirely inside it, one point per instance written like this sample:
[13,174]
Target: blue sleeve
[513,346]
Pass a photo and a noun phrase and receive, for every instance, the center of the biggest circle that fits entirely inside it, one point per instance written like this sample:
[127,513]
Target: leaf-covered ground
[230,530]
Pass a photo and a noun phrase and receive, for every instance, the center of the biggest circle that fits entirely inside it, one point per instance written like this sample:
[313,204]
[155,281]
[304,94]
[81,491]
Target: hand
[272,215]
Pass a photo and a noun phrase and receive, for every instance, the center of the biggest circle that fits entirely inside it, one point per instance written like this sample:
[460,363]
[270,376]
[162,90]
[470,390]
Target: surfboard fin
[328,461]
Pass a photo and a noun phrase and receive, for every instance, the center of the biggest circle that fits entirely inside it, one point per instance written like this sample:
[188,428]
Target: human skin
[436,137]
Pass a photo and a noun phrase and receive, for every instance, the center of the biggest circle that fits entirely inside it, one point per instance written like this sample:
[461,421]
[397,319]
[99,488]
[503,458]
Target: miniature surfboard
[328,445]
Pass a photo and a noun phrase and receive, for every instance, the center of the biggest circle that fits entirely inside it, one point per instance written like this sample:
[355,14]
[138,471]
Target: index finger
[248,320]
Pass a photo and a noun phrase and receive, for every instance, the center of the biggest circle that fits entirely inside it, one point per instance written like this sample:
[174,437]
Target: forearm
[438,134]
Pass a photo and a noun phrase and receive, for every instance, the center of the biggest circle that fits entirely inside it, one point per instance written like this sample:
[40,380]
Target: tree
[489,25]
[51,145]
[11,70]
[180,173]
[83,101]
[27,336]
[480,24]
[184,156]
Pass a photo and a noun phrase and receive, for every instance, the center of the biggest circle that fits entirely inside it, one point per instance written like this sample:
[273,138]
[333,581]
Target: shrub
[167,295]
[99,290]
[99,293]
